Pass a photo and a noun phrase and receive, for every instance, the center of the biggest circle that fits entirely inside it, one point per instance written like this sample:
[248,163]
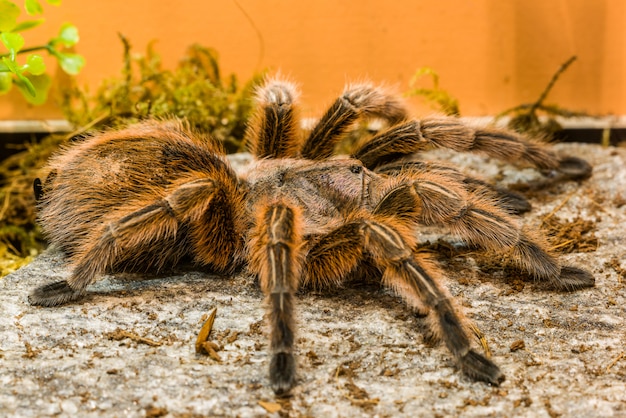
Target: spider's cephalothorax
[154,194]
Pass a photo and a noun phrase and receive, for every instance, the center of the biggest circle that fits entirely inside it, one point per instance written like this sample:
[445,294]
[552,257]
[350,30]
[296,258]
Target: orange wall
[490,54]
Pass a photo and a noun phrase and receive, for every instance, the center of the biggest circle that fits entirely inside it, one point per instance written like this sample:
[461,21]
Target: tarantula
[157,194]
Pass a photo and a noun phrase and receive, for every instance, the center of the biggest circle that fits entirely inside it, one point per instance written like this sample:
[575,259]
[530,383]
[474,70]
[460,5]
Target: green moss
[438,98]
[195,91]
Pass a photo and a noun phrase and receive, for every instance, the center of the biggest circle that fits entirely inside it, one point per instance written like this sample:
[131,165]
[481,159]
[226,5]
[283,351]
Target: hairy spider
[156,194]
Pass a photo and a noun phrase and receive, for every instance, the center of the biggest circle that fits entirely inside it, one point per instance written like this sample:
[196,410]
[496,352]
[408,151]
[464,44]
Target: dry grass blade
[618,358]
[203,335]
[270,407]
[481,338]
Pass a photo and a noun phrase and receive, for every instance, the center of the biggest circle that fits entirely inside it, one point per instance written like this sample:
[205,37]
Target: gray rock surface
[128,349]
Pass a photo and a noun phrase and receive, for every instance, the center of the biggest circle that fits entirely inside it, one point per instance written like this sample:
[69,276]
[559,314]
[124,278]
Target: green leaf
[6,82]
[71,63]
[25,85]
[54,2]
[27,24]
[33,7]
[11,65]
[13,41]
[35,65]
[40,85]
[68,35]
[22,82]
[8,15]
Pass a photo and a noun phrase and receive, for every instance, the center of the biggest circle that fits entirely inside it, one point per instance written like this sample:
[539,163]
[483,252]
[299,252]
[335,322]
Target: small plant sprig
[29,75]
[525,118]
[440,98]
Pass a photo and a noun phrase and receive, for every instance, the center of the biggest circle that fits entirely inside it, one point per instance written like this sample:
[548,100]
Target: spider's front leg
[360,100]
[152,237]
[273,130]
[415,279]
[276,256]
[387,242]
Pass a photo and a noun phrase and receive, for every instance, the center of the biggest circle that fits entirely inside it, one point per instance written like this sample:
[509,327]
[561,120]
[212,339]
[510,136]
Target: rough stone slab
[128,348]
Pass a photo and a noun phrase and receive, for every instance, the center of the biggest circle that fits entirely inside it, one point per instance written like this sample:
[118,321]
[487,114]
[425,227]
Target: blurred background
[490,55]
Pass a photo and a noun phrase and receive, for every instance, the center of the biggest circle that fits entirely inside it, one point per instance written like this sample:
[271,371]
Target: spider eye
[356,169]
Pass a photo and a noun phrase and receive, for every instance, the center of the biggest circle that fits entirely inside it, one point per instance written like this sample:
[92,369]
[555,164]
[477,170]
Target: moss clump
[439,98]
[195,91]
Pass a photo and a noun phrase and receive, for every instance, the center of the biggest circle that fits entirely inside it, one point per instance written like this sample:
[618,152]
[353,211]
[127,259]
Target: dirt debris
[120,334]
[577,235]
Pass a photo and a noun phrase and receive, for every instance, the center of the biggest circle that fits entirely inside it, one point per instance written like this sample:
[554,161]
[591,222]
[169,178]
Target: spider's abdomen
[113,175]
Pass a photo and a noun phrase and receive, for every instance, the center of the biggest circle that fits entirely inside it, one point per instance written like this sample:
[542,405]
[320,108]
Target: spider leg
[411,277]
[414,136]
[483,223]
[273,132]
[332,256]
[388,243]
[356,101]
[275,254]
[130,240]
[511,201]
[432,199]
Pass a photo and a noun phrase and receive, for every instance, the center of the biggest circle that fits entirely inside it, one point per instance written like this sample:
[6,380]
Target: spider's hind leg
[152,237]
[116,240]
[54,293]
[431,199]
[414,136]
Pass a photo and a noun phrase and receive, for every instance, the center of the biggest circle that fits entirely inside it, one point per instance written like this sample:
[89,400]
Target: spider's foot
[514,203]
[573,278]
[575,168]
[53,294]
[38,189]
[478,367]
[282,373]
